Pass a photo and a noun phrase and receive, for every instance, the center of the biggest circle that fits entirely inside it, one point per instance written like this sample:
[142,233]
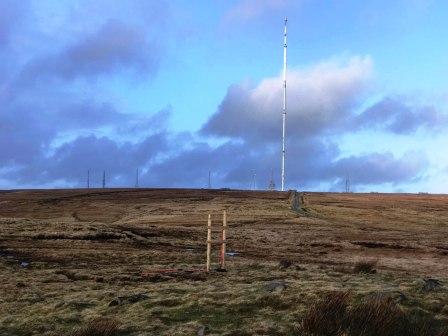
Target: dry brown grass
[374,316]
[378,317]
[328,316]
[99,327]
[85,248]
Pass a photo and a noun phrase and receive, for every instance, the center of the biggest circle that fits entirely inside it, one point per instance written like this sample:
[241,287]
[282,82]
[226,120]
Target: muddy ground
[138,255]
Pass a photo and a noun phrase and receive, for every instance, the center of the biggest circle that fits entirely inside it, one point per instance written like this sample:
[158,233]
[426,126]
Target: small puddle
[232,254]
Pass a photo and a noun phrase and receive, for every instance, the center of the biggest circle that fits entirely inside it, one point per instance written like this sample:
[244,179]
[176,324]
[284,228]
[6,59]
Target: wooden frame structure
[222,254]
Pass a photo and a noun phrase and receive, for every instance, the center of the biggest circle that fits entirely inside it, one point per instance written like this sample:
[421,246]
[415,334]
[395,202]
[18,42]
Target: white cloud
[320,98]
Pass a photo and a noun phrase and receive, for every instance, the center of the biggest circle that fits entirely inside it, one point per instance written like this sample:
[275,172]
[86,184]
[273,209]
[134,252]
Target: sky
[178,89]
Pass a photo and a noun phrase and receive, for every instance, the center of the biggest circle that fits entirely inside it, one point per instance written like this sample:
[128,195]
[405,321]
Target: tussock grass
[327,317]
[333,315]
[365,267]
[377,317]
[99,327]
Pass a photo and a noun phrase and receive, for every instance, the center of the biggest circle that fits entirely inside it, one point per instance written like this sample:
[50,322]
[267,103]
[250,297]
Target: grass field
[69,257]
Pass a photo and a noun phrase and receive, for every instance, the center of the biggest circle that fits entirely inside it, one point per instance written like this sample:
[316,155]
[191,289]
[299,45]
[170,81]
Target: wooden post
[209,241]
[223,244]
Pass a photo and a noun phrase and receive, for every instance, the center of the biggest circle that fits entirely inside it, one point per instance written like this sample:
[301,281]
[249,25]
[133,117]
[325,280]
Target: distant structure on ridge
[253,184]
[271,185]
[88,178]
[104,179]
[285,46]
[136,178]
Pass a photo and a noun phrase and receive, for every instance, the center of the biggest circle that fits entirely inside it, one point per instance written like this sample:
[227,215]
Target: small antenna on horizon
[209,179]
[104,179]
[136,178]
[271,185]
[88,178]
[285,46]
[254,180]
[347,184]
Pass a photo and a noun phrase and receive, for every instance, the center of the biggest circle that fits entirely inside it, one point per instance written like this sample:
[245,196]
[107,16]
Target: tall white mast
[285,46]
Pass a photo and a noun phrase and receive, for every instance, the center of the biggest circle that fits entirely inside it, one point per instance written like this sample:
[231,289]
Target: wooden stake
[223,244]
[209,241]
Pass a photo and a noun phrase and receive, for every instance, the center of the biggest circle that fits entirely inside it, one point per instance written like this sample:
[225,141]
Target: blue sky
[180,88]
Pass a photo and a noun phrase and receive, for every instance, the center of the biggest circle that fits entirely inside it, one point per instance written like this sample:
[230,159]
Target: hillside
[137,256]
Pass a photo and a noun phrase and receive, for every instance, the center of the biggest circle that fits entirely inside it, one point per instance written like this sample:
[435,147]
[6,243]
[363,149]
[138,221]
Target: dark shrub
[374,316]
[285,263]
[328,316]
[365,266]
[99,327]
[377,317]
[424,324]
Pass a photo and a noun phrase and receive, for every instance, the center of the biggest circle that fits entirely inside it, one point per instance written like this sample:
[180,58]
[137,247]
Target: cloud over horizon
[60,117]
[323,100]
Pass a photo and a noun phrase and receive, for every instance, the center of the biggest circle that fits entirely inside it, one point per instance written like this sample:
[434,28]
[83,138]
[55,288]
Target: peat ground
[68,257]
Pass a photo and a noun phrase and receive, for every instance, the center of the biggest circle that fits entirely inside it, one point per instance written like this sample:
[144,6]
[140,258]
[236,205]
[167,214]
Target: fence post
[209,241]
[223,244]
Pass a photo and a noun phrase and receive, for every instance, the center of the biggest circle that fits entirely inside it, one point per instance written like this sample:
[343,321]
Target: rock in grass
[430,285]
[202,331]
[128,299]
[276,286]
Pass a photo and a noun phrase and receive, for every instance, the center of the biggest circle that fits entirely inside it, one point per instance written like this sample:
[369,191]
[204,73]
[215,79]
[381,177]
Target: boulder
[276,286]
[128,299]
[430,285]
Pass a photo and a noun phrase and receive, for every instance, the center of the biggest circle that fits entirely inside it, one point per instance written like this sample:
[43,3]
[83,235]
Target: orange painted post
[223,243]
[209,241]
